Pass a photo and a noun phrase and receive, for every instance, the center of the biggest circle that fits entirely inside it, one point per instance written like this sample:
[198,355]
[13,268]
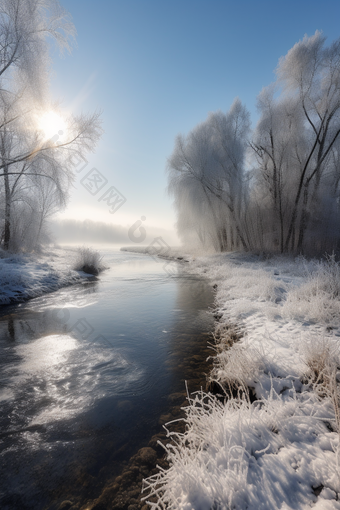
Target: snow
[280,451]
[25,276]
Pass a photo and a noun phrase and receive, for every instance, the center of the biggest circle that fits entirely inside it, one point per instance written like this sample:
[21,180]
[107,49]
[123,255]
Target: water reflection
[46,315]
[85,375]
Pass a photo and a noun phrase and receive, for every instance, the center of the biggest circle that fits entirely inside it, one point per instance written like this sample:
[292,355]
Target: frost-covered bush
[317,299]
[89,261]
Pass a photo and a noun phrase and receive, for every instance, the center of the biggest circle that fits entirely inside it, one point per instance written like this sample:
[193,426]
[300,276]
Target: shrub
[89,261]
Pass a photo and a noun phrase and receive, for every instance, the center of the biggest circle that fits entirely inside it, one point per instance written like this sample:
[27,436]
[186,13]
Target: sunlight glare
[52,126]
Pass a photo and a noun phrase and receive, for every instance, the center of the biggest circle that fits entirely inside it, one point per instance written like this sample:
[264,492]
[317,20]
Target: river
[86,374]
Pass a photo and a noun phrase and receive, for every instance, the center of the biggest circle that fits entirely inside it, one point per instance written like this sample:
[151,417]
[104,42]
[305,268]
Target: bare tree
[311,72]
[24,26]
[277,135]
[27,159]
[296,143]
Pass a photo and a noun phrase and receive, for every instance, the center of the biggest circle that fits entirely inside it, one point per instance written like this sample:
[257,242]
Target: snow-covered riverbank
[273,444]
[25,276]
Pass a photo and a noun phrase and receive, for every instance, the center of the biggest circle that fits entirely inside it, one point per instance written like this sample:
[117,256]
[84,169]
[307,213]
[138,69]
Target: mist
[69,231]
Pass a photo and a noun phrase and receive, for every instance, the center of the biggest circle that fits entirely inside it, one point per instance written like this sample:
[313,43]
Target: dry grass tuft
[235,364]
[322,358]
[226,335]
[89,261]
[318,298]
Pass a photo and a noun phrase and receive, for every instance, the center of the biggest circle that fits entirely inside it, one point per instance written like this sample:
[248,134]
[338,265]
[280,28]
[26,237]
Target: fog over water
[97,232]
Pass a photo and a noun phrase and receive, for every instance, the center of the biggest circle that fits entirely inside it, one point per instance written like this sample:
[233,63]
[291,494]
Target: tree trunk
[7,233]
[281,226]
[304,220]
[291,230]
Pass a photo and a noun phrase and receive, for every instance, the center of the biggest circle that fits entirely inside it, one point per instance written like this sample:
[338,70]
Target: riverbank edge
[281,372]
[25,276]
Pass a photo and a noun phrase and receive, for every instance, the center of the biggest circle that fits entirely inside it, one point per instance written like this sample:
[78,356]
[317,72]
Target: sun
[52,126]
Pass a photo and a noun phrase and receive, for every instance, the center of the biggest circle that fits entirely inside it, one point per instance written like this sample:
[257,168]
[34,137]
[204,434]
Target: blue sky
[156,69]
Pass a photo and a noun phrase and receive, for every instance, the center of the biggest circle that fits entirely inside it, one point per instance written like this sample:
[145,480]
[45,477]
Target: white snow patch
[25,276]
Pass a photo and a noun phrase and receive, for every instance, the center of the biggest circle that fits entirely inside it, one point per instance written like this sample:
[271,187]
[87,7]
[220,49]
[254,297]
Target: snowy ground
[273,442]
[25,276]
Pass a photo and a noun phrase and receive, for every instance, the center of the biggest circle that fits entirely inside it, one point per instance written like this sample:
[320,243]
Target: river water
[86,373]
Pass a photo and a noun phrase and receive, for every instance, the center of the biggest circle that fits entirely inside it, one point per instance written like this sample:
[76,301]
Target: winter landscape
[179,352]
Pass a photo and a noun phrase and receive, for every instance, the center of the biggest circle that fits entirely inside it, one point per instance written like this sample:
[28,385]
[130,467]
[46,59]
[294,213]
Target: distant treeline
[88,231]
[275,189]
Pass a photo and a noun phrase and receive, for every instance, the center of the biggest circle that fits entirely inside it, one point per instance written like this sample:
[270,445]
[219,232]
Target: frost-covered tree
[206,179]
[277,135]
[229,140]
[189,168]
[289,201]
[27,158]
[296,143]
[311,71]
[24,26]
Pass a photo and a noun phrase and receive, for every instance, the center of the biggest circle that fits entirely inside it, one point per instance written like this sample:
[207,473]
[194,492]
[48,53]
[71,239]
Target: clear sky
[156,68]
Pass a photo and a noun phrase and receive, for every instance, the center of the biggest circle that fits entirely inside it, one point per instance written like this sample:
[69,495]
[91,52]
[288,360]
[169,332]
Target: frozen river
[85,374]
